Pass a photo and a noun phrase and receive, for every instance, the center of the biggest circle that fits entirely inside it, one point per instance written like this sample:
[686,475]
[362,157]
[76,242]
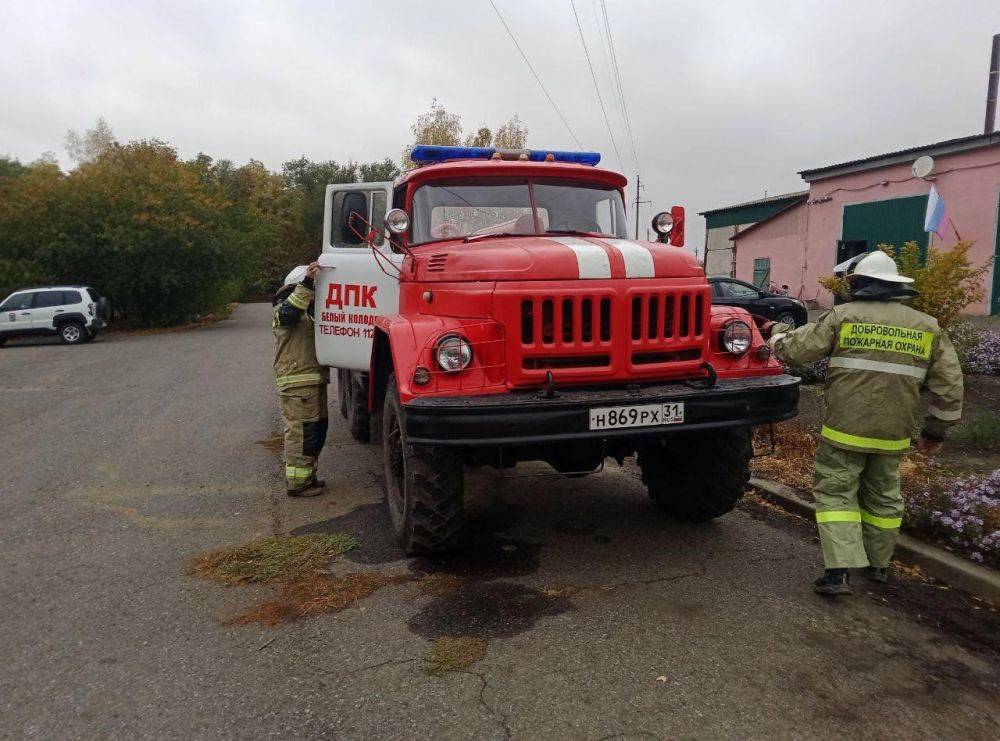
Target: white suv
[75,313]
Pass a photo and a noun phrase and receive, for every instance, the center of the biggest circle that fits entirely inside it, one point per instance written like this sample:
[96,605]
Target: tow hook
[549,392]
[707,382]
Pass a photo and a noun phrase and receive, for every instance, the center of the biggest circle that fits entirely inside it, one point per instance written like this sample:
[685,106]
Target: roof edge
[770,218]
[950,146]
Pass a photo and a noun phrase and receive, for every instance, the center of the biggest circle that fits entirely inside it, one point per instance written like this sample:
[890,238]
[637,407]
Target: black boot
[833,582]
[873,573]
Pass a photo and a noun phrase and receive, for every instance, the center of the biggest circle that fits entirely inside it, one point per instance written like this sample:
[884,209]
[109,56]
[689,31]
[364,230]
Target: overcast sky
[726,99]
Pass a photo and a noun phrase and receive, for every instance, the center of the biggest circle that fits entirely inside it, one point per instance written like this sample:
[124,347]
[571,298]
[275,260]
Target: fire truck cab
[488,308]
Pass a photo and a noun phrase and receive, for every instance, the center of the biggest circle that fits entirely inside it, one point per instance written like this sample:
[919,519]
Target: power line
[537,78]
[618,83]
[597,89]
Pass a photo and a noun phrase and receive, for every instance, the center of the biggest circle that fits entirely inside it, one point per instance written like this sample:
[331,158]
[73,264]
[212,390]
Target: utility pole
[638,188]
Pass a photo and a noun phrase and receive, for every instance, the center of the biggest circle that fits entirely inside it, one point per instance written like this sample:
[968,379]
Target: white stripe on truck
[638,258]
[591,259]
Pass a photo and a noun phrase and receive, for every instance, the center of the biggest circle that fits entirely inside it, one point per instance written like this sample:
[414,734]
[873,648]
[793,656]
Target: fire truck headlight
[453,353]
[396,221]
[663,223]
[736,337]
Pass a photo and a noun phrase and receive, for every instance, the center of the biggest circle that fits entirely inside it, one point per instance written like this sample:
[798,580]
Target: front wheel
[358,417]
[788,319]
[72,333]
[423,485]
[698,476]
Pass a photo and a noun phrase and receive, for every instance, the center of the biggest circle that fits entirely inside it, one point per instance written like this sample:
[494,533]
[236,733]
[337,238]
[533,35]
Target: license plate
[639,415]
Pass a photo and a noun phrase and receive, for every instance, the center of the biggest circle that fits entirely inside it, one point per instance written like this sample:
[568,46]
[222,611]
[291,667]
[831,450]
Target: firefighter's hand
[767,328]
[312,269]
[927,447]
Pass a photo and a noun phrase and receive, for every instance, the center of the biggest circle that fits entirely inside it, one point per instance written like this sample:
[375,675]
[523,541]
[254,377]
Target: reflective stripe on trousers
[298,378]
[865,442]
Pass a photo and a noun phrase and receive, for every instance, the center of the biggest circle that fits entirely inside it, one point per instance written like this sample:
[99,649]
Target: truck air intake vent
[566,321]
[436,262]
[664,317]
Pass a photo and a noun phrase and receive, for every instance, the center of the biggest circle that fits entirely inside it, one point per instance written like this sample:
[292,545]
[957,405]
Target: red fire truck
[488,308]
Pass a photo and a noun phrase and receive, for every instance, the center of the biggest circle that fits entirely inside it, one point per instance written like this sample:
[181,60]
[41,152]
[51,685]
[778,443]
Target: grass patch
[452,654]
[792,461]
[439,584]
[316,593]
[271,559]
[982,431]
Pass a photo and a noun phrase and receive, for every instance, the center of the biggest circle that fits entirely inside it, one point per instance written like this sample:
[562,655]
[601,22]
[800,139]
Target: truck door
[352,289]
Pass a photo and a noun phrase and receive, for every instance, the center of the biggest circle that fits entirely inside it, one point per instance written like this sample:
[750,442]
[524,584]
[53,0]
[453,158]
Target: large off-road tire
[343,378]
[698,476]
[358,417]
[423,485]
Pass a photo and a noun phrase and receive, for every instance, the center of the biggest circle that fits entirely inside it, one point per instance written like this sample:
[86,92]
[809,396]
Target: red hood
[552,258]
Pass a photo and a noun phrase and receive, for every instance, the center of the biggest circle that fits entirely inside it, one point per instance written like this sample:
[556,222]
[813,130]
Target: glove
[767,328]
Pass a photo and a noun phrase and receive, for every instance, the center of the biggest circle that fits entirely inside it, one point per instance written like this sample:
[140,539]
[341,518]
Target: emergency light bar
[427,153]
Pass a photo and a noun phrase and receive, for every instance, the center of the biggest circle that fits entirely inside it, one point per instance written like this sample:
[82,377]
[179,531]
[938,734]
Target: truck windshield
[470,208]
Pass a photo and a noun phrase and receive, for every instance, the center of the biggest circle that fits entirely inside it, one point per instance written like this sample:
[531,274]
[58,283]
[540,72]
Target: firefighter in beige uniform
[301,381]
[882,353]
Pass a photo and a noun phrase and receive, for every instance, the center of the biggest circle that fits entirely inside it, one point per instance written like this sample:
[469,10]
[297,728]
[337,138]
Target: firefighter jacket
[295,362]
[882,353]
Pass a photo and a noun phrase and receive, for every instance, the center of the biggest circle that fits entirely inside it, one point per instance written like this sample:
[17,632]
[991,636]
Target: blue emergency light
[427,153]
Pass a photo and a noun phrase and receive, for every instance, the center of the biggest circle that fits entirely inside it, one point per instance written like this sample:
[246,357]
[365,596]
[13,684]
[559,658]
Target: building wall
[802,242]
[719,249]
[780,239]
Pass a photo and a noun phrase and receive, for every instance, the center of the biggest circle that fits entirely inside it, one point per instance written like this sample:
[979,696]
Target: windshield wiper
[471,237]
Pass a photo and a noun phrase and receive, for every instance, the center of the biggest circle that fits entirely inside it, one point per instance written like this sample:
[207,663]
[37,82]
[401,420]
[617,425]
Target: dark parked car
[732,292]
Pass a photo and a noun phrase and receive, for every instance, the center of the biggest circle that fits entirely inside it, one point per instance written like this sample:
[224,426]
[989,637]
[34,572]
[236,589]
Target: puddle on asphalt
[487,610]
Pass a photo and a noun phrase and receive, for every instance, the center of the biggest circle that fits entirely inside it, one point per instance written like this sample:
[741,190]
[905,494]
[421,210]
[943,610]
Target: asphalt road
[124,458]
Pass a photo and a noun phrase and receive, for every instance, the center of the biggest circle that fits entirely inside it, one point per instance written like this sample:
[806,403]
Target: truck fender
[399,342]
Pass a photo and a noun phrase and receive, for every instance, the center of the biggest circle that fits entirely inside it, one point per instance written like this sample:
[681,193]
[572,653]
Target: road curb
[936,562]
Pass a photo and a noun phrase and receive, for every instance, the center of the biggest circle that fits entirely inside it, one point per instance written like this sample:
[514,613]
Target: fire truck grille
[565,321]
[615,333]
[662,316]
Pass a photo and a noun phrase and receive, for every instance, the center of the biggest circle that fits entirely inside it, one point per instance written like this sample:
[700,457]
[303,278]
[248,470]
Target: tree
[377,172]
[10,167]
[437,126]
[91,144]
[512,135]
[482,138]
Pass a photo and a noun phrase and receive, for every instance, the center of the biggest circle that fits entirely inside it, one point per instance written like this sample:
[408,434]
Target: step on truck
[488,308]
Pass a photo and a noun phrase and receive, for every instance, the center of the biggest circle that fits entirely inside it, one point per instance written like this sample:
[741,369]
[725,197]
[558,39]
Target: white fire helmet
[879,266]
[295,277]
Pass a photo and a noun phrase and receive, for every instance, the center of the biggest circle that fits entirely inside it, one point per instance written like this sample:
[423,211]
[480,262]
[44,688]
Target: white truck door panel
[351,288]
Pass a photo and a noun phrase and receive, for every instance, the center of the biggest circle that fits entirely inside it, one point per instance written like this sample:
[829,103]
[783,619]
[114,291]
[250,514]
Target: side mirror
[677,233]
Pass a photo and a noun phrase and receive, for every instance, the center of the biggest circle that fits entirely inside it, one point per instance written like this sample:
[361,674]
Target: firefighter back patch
[885,337]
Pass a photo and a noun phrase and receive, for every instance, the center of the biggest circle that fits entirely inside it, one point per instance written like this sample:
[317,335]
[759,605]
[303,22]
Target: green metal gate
[762,272]
[893,221]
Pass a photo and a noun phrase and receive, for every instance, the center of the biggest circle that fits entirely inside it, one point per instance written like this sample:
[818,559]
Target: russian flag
[937,212]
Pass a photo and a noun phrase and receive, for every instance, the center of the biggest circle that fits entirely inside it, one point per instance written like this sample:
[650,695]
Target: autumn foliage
[947,281]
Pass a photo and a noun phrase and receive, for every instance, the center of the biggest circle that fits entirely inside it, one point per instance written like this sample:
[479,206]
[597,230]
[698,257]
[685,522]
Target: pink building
[854,206]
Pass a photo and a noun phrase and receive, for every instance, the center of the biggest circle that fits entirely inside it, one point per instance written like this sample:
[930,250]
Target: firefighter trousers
[304,413]
[859,507]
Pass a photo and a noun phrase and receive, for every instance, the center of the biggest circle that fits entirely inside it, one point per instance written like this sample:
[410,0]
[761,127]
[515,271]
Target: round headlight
[663,223]
[453,353]
[736,337]
[396,221]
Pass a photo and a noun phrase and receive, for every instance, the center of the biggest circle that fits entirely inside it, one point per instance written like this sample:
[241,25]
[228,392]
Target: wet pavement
[601,619]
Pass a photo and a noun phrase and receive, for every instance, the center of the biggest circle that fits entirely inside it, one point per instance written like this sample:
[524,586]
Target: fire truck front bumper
[589,414]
